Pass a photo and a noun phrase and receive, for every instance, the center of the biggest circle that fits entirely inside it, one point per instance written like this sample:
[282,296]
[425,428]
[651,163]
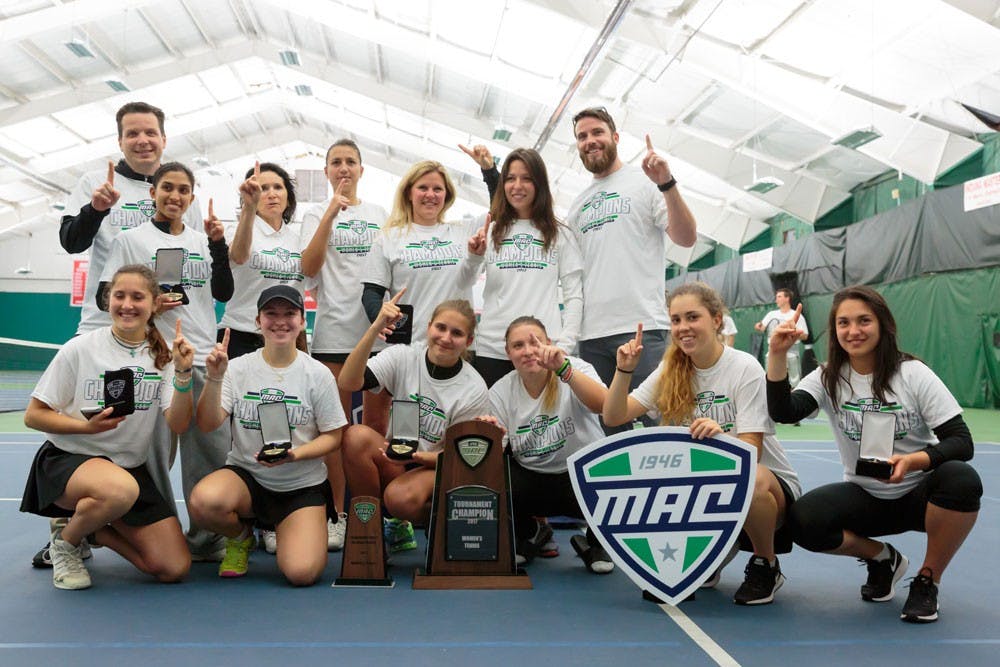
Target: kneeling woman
[431,373]
[716,389]
[549,405]
[931,489]
[94,470]
[290,493]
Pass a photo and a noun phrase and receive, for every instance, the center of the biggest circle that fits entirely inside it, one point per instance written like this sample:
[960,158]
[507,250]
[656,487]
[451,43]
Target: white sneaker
[336,533]
[68,571]
[270,540]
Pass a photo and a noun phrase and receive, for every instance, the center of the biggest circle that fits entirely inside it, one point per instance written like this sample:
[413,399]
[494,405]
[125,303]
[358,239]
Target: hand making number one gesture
[627,356]
[786,334]
[218,359]
[388,315]
[477,242]
[105,196]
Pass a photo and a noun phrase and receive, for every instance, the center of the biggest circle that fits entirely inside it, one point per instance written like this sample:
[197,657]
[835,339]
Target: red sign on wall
[80,267]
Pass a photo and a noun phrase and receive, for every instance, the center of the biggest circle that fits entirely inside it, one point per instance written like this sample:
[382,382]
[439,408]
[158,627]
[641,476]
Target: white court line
[700,637]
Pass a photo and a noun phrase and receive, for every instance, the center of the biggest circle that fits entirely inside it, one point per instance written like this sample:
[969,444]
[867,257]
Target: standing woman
[337,237]
[94,470]
[931,489]
[292,493]
[433,374]
[263,251]
[549,406]
[532,264]
[206,276]
[715,389]
[418,250]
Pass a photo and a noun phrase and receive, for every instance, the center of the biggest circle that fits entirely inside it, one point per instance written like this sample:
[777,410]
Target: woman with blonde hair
[714,389]
[418,250]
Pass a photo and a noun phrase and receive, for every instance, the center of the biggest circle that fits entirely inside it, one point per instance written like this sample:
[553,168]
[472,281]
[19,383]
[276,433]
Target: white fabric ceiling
[730,90]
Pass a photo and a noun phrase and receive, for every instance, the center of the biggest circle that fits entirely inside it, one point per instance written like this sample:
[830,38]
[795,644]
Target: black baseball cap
[286,292]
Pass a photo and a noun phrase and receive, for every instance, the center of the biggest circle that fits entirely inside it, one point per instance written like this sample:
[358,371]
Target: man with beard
[622,221]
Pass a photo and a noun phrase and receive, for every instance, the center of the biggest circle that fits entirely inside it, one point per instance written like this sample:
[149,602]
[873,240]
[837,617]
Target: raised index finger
[211,213]
[395,300]
[111,172]
[638,334]
[649,143]
[225,340]
[256,170]
[467,150]
[798,312]
[486,225]
[178,328]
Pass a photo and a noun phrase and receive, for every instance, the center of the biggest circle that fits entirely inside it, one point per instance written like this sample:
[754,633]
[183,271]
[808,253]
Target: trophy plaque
[363,561]
[470,544]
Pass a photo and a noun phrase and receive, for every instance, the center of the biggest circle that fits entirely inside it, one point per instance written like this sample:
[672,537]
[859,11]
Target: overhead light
[201,161]
[117,85]
[79,48]
[501,134]
[58,206]
[289,57]
[765,184]
[858,138]
[303,90]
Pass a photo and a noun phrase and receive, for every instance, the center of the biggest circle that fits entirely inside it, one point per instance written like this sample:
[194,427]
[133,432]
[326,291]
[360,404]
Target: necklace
[279,373]
[132,348]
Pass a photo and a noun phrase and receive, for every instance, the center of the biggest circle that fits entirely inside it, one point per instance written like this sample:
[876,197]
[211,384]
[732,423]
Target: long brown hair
[551,391]
[888,356]
[158,348]
[542,214]
[675,389]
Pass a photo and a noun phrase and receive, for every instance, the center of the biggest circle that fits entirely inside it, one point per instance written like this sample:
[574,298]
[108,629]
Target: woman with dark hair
[205,278]
[263,251]
[532,263]
[930,487]
[714,389]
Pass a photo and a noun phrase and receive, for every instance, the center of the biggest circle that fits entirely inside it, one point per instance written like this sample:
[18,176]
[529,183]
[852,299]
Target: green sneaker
[399,536]
[237,557]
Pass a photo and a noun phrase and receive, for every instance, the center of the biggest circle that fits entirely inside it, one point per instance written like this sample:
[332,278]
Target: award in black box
[878,431]
[471,539]
[170,274]
[119,391]
[274,431]
[405,430]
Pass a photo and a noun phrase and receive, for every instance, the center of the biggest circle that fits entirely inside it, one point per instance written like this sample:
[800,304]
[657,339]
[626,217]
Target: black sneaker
[921,604]
[761,583]
[883,575]
[594,557]
[531,548]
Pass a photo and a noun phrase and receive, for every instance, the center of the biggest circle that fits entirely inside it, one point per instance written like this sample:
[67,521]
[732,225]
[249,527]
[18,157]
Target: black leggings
[819,518]
[539,494]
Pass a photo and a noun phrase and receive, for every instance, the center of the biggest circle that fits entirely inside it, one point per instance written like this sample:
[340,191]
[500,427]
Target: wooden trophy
[363,561]
[471,539]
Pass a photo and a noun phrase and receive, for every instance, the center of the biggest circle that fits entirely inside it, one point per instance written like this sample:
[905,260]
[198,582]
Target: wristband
[567,374]
[665,187]
[562,369]
[209,378]
[182,371]
[622,370]
[182,389]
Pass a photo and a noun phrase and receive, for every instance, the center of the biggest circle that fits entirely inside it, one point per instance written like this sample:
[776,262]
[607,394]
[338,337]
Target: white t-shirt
[918,399]
[134,207]
[275,259]
[402,371]
[431,262]
[340,318]
[620,223]
[311,401]
[733,393]
[542,440]
[139,246]
[523,278]
[75,380]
